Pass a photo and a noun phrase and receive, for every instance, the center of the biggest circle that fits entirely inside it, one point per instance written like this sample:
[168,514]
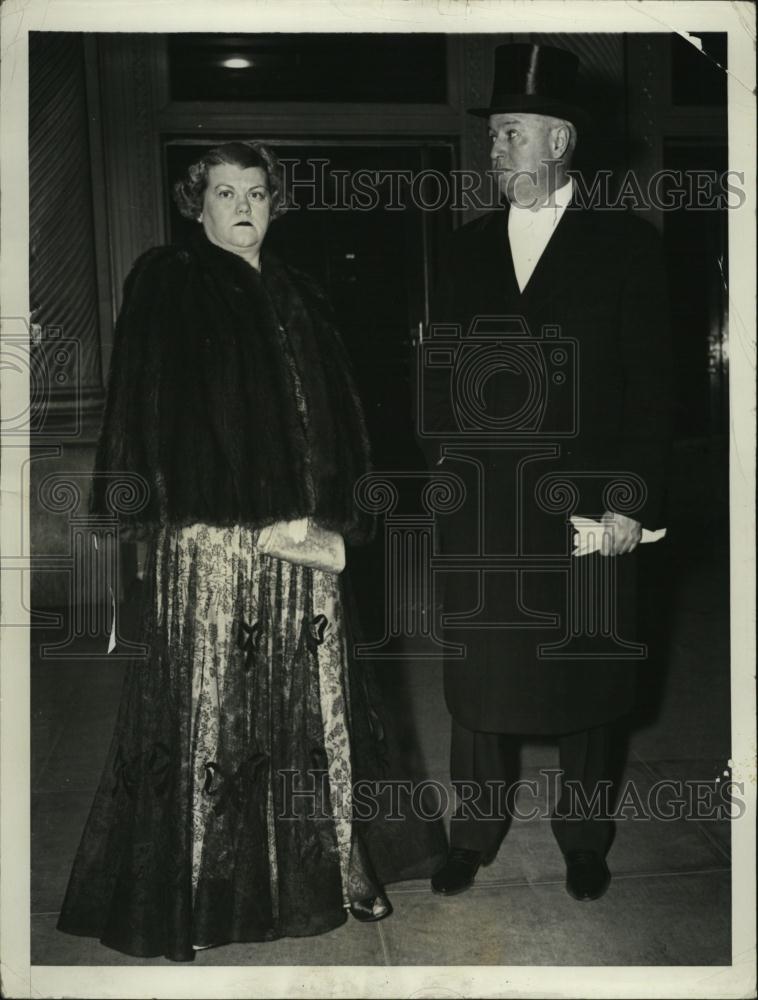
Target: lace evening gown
[224,811]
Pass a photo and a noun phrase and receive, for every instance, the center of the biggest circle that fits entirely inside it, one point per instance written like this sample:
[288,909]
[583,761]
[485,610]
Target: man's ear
[560,140]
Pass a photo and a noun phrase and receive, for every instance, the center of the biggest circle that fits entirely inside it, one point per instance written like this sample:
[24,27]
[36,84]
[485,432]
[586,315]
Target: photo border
[19,979]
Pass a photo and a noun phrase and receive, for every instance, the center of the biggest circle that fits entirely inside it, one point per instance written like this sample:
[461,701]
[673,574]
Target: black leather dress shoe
[587,875]
[459,871]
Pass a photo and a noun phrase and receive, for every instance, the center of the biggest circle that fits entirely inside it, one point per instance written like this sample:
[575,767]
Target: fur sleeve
[128,437]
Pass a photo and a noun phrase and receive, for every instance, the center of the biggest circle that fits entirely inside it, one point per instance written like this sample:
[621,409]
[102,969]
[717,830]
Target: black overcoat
[596,412]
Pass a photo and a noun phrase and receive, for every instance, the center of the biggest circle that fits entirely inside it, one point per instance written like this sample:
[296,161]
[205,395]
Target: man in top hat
[575,421]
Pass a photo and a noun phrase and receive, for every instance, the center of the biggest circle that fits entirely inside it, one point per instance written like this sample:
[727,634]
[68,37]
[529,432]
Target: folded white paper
[112,639]
[589,535]
[112,636]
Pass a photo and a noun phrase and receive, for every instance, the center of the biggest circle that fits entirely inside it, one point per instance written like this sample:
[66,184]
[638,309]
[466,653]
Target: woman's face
[236,209]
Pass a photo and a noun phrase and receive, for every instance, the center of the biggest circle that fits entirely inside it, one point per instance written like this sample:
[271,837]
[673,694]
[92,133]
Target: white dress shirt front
[529,231]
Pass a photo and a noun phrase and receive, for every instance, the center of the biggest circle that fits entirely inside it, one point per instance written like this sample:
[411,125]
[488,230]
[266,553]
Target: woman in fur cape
[225,812]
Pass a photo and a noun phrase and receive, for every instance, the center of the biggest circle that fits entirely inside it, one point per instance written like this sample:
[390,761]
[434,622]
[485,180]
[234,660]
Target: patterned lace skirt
[224,812]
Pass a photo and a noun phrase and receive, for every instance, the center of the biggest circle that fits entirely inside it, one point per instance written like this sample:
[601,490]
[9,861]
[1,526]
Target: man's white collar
[559,199]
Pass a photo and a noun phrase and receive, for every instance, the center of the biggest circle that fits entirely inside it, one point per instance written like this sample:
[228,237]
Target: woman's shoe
[372,909]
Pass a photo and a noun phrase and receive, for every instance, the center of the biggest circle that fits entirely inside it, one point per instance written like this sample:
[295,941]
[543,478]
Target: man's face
[523,157]
[236,208]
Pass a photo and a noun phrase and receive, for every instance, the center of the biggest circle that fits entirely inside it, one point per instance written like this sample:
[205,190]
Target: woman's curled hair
[190,190]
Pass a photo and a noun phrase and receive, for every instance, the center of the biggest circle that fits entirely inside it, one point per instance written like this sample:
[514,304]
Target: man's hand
[622,534]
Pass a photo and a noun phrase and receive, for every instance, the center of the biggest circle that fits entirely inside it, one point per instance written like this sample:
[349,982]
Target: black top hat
[537,79]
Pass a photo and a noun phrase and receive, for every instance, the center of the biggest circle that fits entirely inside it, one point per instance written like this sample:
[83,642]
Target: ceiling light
[237,62]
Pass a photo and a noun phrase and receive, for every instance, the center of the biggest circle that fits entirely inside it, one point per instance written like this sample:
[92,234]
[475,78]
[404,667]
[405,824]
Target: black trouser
[483,766]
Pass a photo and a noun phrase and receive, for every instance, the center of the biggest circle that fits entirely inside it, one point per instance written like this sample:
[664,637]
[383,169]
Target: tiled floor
[669,901]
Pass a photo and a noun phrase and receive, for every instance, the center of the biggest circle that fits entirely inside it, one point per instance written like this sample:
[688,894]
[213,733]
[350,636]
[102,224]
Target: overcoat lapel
[502,260]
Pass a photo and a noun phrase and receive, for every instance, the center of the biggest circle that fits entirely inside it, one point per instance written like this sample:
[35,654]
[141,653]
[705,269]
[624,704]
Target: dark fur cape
[231,395]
